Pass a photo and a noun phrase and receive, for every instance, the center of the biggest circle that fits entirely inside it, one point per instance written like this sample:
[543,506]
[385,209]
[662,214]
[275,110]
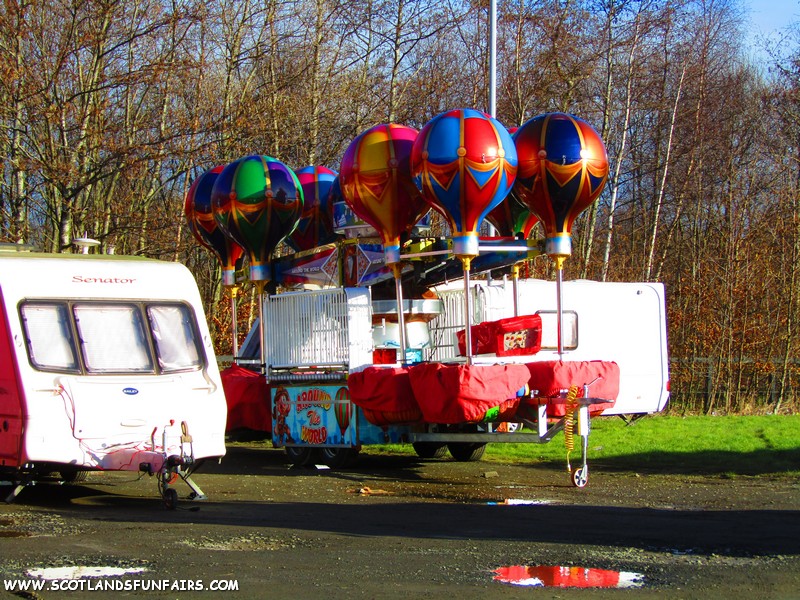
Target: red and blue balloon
[464,162]
[563,167]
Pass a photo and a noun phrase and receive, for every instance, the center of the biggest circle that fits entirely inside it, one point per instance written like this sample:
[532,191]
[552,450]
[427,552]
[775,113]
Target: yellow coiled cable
[569,421]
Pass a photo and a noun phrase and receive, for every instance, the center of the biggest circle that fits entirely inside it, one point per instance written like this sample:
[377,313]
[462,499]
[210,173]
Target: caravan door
[10,397]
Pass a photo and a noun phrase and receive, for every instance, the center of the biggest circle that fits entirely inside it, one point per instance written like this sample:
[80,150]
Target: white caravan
[620,321]
[106,364]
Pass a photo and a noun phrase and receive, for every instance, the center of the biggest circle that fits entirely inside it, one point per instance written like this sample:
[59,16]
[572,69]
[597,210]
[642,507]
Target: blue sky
[768,16]
[768,22]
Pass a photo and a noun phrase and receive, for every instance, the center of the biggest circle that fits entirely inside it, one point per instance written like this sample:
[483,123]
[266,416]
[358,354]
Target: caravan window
[173,333]
[569,329]
[49,338]
[112,338]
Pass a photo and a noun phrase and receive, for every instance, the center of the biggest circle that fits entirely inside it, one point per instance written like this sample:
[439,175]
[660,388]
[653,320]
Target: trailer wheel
[301,456]
[338,458]
[580,476]
[466,451]
[171,498]
[430,449]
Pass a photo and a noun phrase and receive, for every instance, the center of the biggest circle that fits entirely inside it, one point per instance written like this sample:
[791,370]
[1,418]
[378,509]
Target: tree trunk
[662,187]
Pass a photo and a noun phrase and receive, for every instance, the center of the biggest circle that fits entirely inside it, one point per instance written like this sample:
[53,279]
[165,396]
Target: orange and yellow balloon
[375,179]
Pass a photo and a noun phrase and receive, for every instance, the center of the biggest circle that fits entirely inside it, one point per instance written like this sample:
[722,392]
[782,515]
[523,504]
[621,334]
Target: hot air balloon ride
[376,184]
[257,202]
[563,167]
[200,218]
[464,162]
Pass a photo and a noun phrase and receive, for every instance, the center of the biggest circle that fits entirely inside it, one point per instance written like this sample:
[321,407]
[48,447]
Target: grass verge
[723,445]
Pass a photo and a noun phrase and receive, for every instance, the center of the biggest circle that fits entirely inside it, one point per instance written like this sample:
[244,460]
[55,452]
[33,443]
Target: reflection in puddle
[80,572]
[572,577]
[520,502]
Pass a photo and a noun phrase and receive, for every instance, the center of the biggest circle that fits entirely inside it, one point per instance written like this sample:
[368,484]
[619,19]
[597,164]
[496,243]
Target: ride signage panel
[313,414]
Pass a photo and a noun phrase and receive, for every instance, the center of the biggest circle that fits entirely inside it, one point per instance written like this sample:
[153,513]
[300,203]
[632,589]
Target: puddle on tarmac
[81,572]
[520,502]
[567,577]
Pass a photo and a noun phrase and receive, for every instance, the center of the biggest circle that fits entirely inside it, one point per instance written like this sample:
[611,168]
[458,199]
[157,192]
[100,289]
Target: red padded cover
[549,377]
[385,395]
[247,395]
[452,394]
